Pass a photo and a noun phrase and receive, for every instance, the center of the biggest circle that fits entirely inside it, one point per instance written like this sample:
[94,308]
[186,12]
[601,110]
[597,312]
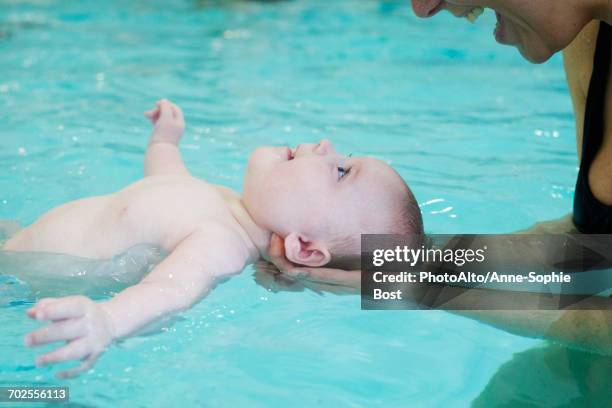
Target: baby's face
[315,191]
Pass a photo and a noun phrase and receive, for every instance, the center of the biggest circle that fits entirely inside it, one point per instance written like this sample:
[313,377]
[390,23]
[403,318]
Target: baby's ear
[301,251]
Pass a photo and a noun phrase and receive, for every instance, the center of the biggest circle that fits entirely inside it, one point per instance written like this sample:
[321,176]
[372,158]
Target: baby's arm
[163,156]
[184,277]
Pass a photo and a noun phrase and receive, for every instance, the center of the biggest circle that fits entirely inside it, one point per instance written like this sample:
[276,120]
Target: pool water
[485,140]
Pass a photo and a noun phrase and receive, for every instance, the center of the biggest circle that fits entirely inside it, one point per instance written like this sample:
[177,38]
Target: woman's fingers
[276,251]
[276,248]
[61,330]
[350,279]
[75,350]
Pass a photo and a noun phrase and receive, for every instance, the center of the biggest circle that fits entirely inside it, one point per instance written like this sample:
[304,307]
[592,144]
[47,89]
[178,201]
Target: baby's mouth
[290,153]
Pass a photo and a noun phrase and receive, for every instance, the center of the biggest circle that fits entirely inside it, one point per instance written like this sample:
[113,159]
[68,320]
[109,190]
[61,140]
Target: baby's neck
[257,239]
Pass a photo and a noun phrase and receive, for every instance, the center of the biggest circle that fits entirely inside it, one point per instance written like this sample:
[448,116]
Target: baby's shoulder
[180,187]
[222,242]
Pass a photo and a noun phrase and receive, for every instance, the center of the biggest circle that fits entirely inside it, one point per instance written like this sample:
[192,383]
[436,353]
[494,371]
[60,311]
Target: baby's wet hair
[406,219]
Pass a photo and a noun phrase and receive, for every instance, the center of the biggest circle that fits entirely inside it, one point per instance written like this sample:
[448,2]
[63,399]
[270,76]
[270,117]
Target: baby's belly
[75,228]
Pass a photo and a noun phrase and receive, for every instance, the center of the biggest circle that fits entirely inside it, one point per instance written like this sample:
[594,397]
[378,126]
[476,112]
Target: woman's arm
[588,330]
[583,329]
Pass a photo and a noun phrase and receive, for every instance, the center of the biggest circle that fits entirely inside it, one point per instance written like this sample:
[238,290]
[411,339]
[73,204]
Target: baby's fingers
[75,350]
[84,366]
[149,113]
[62,330]
[65,308]
[165,108]
[177,113]
[31,312]
[152,114]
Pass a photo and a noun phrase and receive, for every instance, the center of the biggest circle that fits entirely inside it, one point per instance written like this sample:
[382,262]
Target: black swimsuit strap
[593,132]
[591,215]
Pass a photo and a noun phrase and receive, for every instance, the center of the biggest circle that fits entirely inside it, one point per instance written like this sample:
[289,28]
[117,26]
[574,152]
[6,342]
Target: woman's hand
[339,277]
[77,320]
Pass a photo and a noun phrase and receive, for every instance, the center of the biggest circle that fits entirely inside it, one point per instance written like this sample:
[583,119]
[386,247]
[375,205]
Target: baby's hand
[77,320]
[168,122]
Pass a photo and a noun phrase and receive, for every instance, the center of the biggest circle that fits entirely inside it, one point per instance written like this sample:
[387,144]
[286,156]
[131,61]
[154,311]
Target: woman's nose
[426,8]
[323,147]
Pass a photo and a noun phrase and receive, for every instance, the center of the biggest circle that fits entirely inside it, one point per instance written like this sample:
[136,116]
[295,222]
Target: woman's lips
[501,30]
[506,31]
[426,8]
[435,10]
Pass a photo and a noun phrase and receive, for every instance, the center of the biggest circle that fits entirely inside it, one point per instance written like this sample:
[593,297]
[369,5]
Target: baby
[317,200]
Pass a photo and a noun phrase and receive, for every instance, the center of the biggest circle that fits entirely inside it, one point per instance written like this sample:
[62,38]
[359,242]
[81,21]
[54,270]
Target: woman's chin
[506,32]
[536,55]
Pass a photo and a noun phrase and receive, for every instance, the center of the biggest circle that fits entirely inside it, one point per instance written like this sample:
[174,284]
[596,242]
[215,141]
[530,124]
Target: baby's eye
[342,172]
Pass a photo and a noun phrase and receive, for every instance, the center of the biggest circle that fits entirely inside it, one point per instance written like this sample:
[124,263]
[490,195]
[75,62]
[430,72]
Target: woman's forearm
[589,330]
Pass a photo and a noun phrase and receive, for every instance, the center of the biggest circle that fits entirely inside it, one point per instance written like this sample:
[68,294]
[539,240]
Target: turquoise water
[485,140]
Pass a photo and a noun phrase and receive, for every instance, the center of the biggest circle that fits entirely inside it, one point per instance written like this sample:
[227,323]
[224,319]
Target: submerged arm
[179,281]
[588,330]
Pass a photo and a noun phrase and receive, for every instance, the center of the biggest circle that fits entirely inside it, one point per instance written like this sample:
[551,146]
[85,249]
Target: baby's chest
[165,216]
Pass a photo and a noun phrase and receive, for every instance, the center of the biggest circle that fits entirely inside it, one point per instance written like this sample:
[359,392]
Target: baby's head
[320,202]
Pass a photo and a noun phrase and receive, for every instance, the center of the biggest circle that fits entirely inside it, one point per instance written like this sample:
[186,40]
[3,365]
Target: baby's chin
[260,159]
[270,153]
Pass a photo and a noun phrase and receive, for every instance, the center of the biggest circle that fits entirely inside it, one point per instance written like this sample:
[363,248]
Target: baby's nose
[324,147]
